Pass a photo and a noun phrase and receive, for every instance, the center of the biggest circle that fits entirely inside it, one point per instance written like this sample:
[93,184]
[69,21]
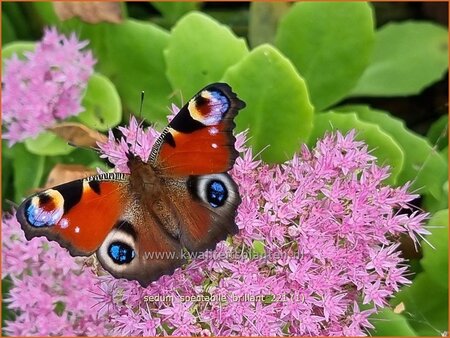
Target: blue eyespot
[121,253]
[216,193]
[224,105]
[39,217]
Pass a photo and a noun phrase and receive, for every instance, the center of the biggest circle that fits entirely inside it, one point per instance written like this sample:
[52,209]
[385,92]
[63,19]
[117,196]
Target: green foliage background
[303,69]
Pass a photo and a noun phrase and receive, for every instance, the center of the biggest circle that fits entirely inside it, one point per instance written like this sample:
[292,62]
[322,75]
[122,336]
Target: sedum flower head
[318,238]
[51,291]
[45,87]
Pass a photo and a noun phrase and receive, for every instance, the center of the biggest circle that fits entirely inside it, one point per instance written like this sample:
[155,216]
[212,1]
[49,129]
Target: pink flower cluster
[51,289]
[318,238]
[46,87]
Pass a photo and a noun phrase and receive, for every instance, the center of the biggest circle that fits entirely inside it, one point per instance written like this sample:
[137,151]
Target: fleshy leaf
[199,52]
[432,204]
[426,306]
[103,109]
[408,57]
[263,20]
[330,43]
[172,11]
[28,170]
[388,323]
[423,165]
[17,47]
[383,145]
[130,54]
[435,260]
[48,143]
[278,113]
[438,132]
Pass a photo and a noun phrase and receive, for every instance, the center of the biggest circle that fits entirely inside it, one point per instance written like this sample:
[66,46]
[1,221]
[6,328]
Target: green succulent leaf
[423,165]
[408,57]
[130,54]
[264,18]
[278,112]
[28,171]
[172,11]
[388,323]
[438,132]
[18,48]
[432,204]
[427,312]
[382,145]
[103,109]
[199,52]
[47,143]
[330,43]
[435,259]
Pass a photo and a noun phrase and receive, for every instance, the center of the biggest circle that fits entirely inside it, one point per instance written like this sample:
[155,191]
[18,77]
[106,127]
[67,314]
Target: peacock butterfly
[138,224]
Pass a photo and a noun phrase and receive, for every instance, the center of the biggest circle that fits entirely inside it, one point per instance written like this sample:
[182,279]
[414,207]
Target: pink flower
[46,87]
[329,229]
[51,290]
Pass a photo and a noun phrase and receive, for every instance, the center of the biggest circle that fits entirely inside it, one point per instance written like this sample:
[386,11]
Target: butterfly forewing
[78,214]
[199,140]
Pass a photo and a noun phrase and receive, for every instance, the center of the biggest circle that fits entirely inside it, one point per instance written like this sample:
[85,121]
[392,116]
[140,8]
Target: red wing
[78,215]
[206,217]
[138,248]
[199,140]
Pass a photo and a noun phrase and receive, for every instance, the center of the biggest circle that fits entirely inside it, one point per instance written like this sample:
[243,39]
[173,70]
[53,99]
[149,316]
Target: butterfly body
[139,223]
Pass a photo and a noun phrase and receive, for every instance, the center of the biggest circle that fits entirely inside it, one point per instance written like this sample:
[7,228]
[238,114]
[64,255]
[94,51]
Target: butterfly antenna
[141,104]
[140,118]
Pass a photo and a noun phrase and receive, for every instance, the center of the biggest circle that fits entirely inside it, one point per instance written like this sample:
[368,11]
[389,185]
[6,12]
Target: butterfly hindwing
[138,248]
[199,139]
[207,208]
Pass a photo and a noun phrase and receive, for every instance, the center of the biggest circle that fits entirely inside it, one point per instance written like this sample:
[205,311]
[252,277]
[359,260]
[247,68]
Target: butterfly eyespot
[220,100]
[209,107]
[45,209]
[216,193]
[216,189]
[118,252]
[121,253]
